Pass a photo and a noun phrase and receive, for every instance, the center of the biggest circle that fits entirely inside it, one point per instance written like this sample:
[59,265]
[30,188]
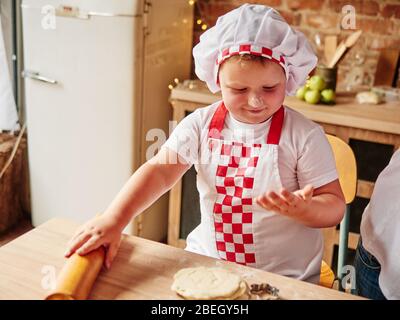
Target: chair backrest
[346,166]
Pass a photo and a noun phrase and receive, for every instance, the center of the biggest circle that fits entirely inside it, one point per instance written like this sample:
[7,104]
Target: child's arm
[145,186]
[319,208]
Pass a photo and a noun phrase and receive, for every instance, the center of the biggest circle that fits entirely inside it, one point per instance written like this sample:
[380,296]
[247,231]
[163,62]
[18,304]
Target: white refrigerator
[96,81]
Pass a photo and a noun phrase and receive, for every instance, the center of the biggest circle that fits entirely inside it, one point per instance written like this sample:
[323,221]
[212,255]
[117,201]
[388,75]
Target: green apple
[301,92]
[317,83]
[312,96]
[328,96]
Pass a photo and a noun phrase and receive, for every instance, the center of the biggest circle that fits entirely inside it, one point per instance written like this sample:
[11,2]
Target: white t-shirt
[380,227]
[305,156]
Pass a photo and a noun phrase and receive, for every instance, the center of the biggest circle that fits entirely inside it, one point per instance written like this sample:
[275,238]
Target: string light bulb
[200,22]
[176,82]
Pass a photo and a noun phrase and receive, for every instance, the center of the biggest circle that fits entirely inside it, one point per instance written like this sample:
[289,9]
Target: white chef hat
[258,30]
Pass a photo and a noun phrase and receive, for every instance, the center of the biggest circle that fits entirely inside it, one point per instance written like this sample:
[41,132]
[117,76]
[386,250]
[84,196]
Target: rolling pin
[77,276]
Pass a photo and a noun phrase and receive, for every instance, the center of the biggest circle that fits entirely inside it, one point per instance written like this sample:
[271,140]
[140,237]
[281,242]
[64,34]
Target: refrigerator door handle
[36,76]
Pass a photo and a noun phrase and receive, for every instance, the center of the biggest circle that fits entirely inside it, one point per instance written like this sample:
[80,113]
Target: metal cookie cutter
[265,288]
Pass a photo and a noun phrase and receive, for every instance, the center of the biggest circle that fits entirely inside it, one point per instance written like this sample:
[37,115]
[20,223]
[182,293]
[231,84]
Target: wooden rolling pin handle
[78,275]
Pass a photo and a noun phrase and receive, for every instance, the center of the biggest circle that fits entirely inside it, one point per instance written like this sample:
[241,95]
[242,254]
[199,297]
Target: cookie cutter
[265,288]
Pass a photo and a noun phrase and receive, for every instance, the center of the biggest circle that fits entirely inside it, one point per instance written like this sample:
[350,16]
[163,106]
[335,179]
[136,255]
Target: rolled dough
[203,283]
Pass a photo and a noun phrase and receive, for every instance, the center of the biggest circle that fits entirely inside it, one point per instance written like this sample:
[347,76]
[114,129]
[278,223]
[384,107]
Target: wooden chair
[347,171]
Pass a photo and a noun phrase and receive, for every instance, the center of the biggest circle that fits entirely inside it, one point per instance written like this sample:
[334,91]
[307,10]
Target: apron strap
[218,121]
[275,130]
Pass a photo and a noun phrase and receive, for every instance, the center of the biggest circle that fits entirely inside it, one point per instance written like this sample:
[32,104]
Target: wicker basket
[14,184]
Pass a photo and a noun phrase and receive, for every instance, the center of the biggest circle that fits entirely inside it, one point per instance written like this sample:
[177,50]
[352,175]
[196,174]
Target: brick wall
[379,20]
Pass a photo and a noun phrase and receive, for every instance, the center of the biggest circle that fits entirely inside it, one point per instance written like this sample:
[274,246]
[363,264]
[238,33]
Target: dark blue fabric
[367,274]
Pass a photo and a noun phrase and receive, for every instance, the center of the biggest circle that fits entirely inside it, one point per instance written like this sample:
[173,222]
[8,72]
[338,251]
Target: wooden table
[143,269]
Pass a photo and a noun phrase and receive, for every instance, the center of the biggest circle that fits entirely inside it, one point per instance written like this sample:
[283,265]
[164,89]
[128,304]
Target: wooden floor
[22,227]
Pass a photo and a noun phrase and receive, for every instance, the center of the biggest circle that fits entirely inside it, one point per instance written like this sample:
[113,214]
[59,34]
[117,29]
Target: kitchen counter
[143,269]
[383,117]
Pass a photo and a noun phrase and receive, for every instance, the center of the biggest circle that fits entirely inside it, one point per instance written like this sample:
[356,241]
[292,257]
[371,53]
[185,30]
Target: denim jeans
[367,274]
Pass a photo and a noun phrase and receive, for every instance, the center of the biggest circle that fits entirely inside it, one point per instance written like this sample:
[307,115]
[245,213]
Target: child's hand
[100,231]
[291,204]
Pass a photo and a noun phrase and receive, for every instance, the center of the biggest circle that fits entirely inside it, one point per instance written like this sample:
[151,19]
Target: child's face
[251,90]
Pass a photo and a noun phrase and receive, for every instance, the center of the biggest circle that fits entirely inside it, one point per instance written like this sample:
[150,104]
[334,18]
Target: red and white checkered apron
[234,182]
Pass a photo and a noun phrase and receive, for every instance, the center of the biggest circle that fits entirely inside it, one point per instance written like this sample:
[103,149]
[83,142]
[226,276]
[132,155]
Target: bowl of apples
[315,91]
